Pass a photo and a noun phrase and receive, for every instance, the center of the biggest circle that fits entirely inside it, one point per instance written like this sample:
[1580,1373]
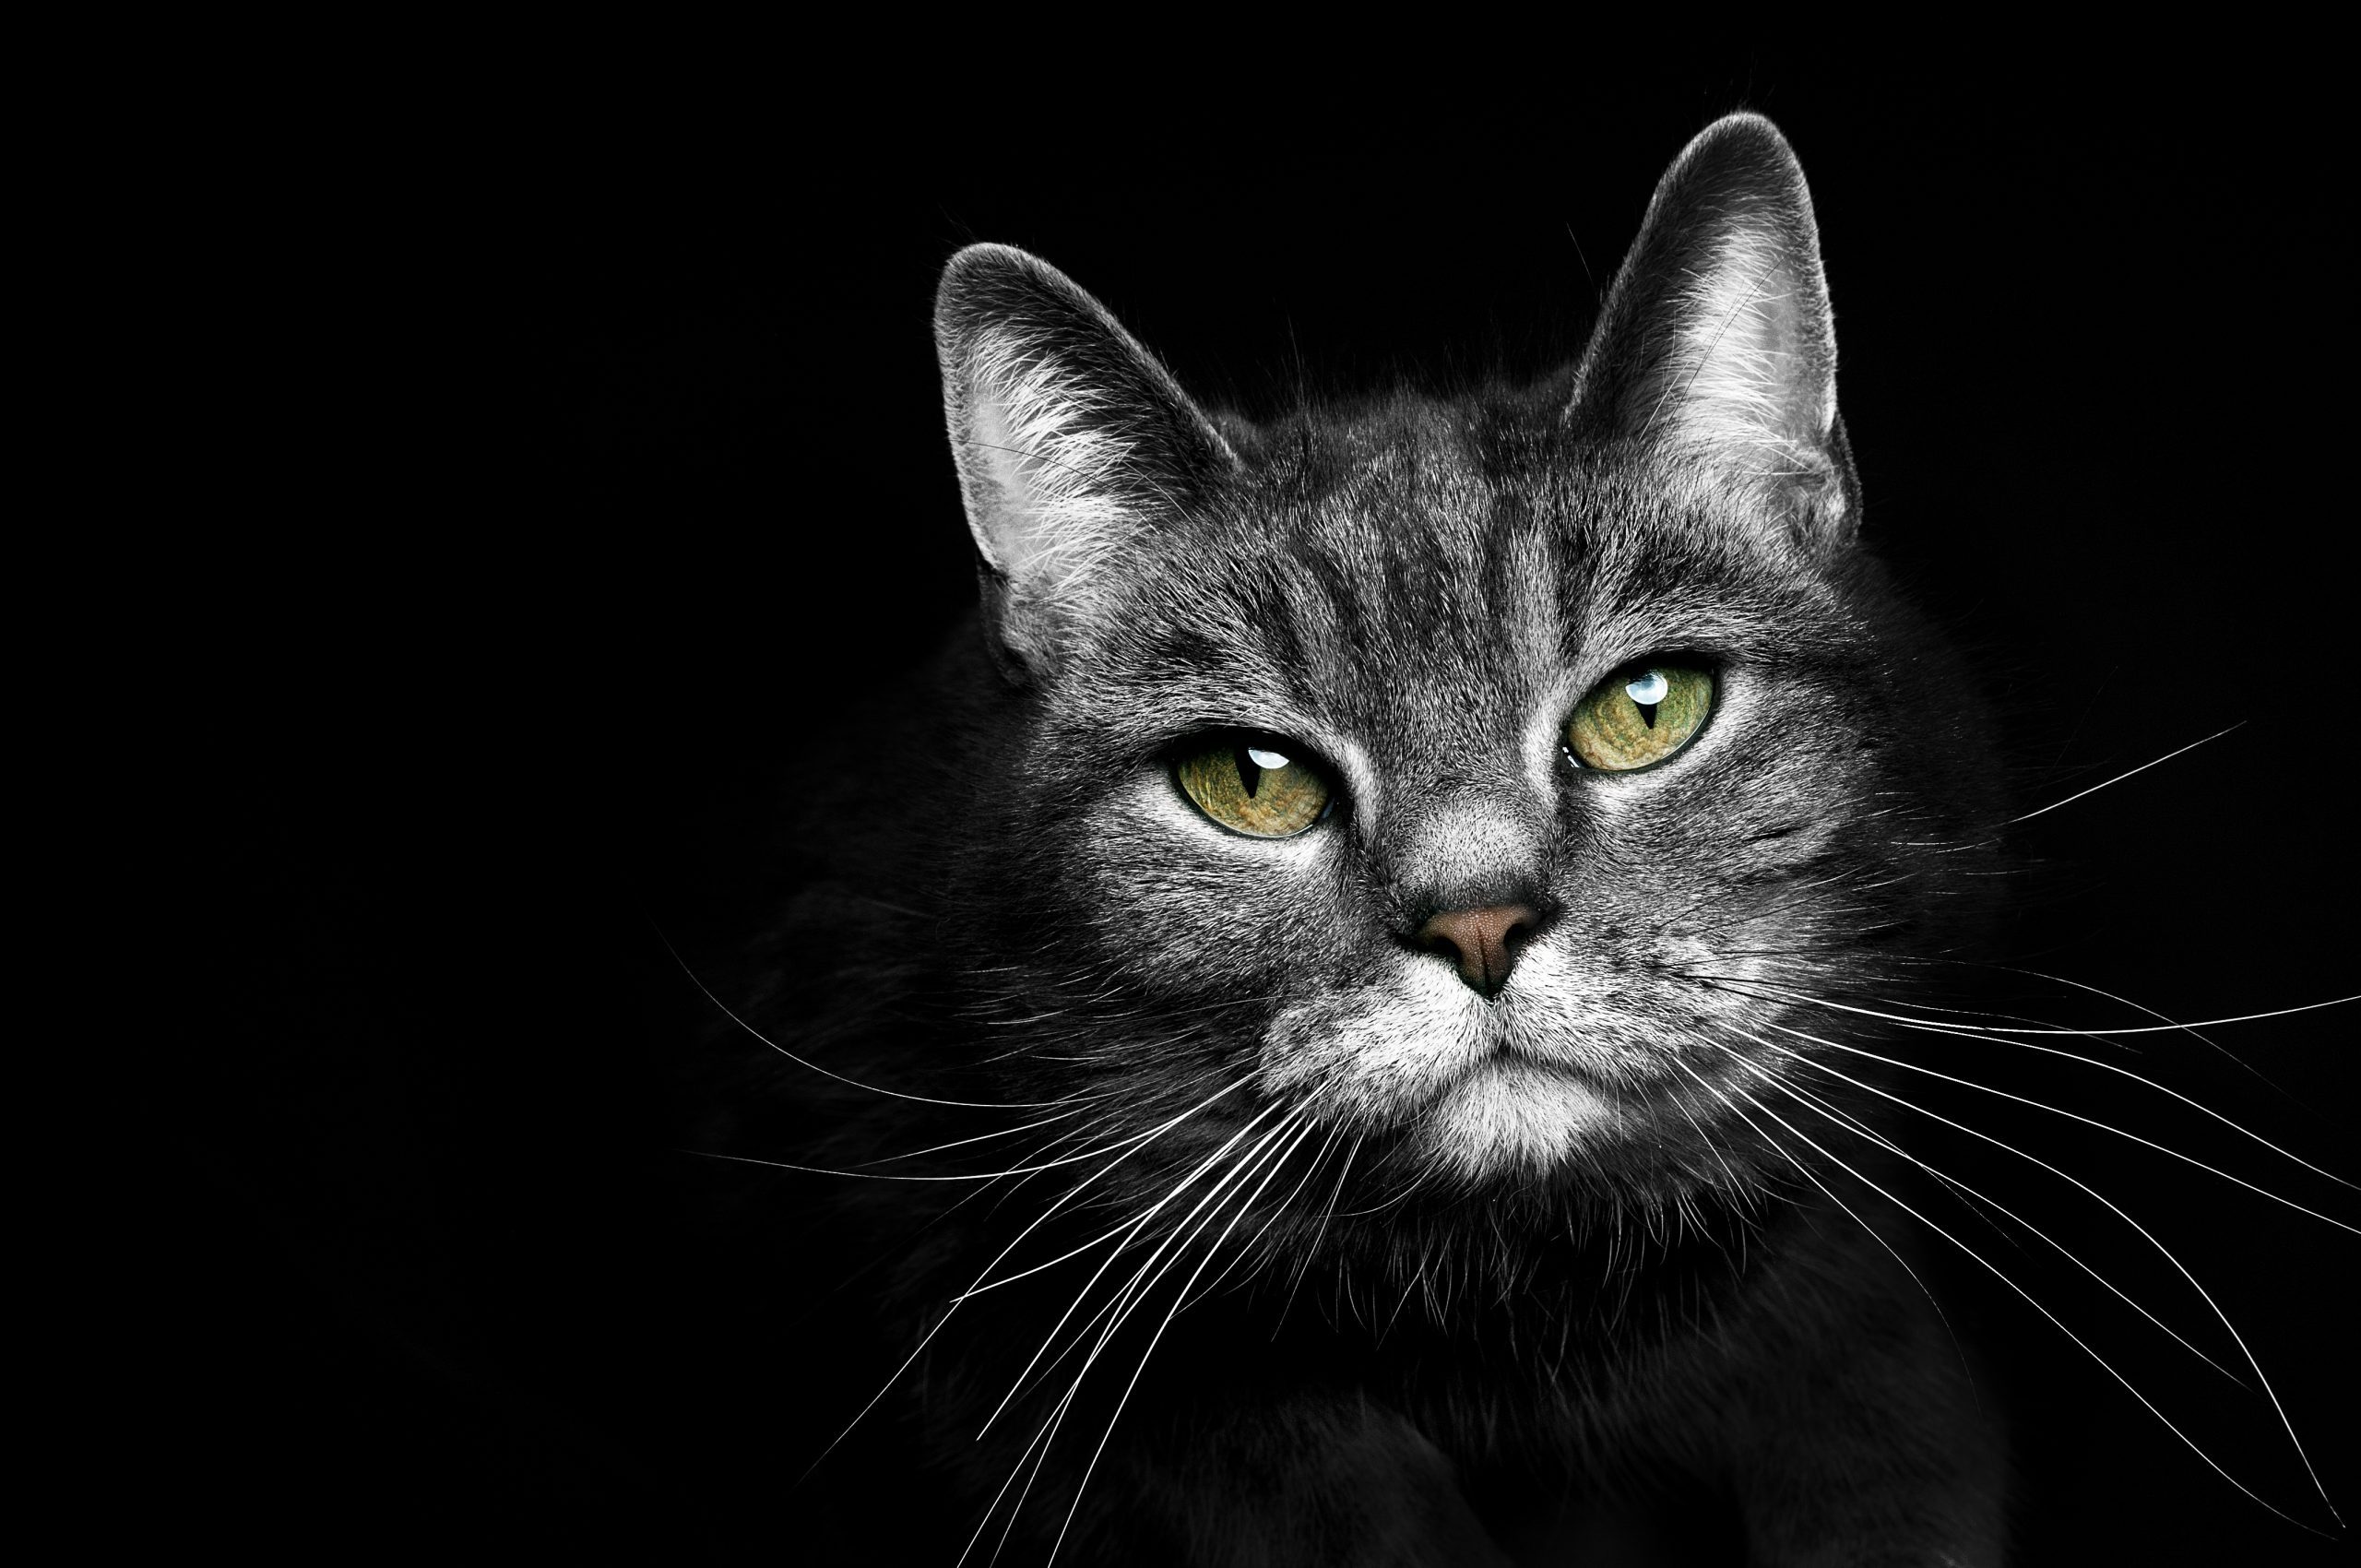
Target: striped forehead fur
[1340,579]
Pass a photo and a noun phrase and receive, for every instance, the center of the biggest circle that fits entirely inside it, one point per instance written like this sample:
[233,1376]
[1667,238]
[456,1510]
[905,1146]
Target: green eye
[1255,787]
[1639,716]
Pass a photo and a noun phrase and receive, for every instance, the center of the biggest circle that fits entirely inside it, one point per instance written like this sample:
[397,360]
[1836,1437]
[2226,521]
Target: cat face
[1449,932]
[1417,630]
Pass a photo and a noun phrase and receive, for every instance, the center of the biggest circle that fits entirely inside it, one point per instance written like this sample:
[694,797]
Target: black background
[612,442]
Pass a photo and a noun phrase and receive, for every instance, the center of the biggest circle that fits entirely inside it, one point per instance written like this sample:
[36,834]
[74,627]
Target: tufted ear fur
[1071,440]
[1716,340]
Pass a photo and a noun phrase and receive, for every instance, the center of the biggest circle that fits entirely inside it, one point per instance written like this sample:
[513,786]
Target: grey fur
[1600,1250]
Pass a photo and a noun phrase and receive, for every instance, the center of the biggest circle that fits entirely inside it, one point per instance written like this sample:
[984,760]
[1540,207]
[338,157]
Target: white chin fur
[1507,1117]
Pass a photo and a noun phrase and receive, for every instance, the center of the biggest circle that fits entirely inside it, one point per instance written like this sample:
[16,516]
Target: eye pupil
[1256,762]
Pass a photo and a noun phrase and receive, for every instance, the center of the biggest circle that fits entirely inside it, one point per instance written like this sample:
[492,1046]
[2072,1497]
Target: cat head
[1478,778]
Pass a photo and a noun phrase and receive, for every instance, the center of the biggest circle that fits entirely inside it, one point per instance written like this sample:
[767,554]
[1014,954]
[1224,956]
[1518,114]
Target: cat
[1347,983]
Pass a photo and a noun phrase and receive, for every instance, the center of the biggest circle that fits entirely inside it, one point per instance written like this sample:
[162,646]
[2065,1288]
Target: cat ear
[1071,440]
[1716,340]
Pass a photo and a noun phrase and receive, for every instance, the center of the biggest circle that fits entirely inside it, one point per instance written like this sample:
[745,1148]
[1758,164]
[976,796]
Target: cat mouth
[1606,1053]
[1548,1065]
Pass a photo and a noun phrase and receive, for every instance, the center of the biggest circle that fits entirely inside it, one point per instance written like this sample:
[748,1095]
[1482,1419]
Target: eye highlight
[1253,784]
[1639,716]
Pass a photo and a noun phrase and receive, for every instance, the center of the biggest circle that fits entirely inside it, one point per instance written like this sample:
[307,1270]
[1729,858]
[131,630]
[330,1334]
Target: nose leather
[1483,941]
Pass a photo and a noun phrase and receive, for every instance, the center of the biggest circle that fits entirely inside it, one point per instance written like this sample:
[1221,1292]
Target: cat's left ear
[1071,442]
[1716,342]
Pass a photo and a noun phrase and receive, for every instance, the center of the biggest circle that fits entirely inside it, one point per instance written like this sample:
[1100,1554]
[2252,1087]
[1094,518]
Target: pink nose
[1483,941]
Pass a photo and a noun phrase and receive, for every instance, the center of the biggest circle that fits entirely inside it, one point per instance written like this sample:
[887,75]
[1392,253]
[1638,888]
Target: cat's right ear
[1071,440]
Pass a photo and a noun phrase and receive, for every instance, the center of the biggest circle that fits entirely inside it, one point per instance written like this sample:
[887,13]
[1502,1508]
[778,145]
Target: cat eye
[1253,784]
[1639,716]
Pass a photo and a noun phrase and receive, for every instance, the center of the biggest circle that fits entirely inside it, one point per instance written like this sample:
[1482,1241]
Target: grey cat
[1357,951]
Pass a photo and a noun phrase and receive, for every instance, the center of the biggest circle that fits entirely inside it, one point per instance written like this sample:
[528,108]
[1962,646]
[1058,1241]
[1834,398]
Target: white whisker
[1807,1173]
[2121,776]
[852,1083]
[1303,1131]
[1132,1228]
[1039,1221]
[1958,1032]
[2105,1364]
[1951,1180]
